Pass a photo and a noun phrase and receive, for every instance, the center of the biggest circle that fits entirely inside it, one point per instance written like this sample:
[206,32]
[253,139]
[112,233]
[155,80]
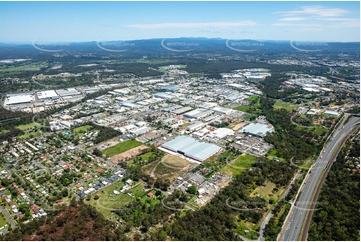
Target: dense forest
[217,220]
[337,214]
[288,141]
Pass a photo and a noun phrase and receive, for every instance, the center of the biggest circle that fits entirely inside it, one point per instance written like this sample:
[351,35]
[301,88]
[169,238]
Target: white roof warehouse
[192,148]
[258,129]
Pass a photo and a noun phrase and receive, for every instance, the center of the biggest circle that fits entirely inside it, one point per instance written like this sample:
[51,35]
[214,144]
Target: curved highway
[292,227]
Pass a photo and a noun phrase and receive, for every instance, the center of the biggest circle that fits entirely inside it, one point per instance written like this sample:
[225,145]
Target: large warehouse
[49,94]
[198,113]
[13,99]
[191,148]
[258,129]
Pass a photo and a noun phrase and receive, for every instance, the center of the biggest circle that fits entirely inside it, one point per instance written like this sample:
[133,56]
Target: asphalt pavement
[293,226]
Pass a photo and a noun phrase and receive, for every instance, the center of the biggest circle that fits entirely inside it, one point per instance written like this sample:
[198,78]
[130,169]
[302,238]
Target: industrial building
[258,129]
[223,110]
[182,110]
[170,89]
[221,133]
[198,113]
[163,95]
[129,105]
[329,112]
[68,92]
[13,99]
[192,148]
[122,91]
[50,94]
[197,125]
[210,118]
[234,97]
[91,90]
[140,131]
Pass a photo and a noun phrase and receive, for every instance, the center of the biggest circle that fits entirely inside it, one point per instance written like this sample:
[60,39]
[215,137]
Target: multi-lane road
[292,228]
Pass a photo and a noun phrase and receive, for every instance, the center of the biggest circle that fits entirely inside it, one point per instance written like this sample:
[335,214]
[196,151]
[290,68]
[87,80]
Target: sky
[106,21]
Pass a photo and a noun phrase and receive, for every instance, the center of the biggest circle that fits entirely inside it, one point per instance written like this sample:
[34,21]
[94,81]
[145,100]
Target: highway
[292,227]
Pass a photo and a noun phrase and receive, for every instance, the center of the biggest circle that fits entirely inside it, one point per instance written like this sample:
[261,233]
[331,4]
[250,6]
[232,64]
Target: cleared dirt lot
[128,154]
[169,167]
[238,126]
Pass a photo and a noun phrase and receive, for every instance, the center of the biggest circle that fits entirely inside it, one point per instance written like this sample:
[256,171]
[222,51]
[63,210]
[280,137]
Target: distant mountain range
[183,45]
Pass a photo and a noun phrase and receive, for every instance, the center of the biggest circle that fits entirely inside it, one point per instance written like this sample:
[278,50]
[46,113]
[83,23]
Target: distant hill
[184,45]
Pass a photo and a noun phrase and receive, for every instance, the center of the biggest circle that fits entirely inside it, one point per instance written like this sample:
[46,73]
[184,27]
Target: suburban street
[292,228]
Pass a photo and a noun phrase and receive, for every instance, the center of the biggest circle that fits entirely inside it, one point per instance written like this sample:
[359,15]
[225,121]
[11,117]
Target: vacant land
[251,98]
[245,225]
[127,154]
[28,126]
[169,167]
[320,131]
[29,67]
[79,131]
[238,126]
[289,107]
[2,221]
[109,201]
[265,191]
[31,134]
[121,147]
[243,108]
[238,165]
[175,161]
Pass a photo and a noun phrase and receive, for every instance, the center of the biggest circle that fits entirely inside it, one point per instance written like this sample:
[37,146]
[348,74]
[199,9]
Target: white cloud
[315,11]
[191,25]
[292,19]
[341,19]
[296,25]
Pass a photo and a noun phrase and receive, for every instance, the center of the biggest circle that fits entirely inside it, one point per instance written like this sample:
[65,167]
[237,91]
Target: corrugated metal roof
[192,148]
[257,129]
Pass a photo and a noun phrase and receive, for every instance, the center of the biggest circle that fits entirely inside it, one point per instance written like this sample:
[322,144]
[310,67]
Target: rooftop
[192,148]
[258,129]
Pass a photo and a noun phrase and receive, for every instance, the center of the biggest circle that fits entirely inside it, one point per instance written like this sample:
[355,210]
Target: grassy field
[317,130]
[27,135]
[245,225]
[79,131]
[143,157]
[28,126]
[185,125]
[2,221]
[320,130]
[272,153]
[169,167]
[243,108]
[29,67]
[238,165]
[109,201]
[121,147]
[249,117]
[266,191]
[175,161]
[289,107]
[251,98]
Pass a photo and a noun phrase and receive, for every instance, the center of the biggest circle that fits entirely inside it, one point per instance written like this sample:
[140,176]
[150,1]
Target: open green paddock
[289,107]
[121,147]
